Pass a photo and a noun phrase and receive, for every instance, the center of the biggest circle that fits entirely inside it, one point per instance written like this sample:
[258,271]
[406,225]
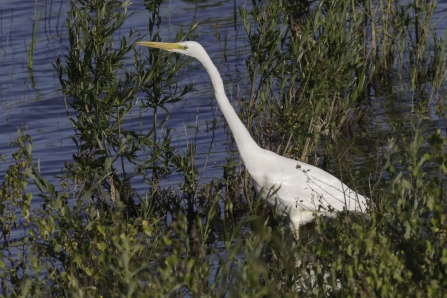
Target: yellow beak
[169,46]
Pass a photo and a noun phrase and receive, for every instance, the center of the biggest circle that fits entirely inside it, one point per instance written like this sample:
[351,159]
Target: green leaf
[51,189]
[172,261]
[102,230]
[406,184]
[88,271]
[407,230]
[78,260]
[101,246]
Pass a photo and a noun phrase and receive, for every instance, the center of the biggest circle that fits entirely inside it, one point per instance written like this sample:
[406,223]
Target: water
[31,98]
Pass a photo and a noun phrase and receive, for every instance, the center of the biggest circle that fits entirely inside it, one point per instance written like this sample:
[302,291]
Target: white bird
[298,189]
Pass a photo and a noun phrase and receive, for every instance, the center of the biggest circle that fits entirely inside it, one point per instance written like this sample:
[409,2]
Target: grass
[35,29]
[314,72]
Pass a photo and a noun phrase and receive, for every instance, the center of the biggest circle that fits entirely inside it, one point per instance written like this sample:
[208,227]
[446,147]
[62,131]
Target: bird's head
[189,48]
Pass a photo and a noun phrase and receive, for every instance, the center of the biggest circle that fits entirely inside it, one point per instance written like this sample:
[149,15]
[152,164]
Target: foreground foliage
[95,235]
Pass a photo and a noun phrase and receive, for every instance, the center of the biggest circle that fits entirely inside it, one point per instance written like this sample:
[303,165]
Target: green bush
[310,77]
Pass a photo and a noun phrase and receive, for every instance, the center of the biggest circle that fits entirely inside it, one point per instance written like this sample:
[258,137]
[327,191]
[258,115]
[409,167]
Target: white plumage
[298,188]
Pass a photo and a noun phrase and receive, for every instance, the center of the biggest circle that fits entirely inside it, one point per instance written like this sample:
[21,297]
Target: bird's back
[300,189]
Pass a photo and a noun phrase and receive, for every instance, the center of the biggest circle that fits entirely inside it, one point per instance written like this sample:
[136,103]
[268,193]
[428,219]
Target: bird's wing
[310,188]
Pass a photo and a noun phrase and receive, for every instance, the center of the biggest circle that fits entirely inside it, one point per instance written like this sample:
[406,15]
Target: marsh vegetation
[318,75]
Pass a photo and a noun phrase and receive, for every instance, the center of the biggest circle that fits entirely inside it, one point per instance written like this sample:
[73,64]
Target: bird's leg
[295,232]
[294,229]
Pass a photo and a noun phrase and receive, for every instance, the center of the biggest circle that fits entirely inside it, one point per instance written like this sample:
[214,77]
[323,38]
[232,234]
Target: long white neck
[244,141]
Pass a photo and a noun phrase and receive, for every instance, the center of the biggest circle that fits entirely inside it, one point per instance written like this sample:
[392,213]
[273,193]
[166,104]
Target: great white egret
[298,189]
